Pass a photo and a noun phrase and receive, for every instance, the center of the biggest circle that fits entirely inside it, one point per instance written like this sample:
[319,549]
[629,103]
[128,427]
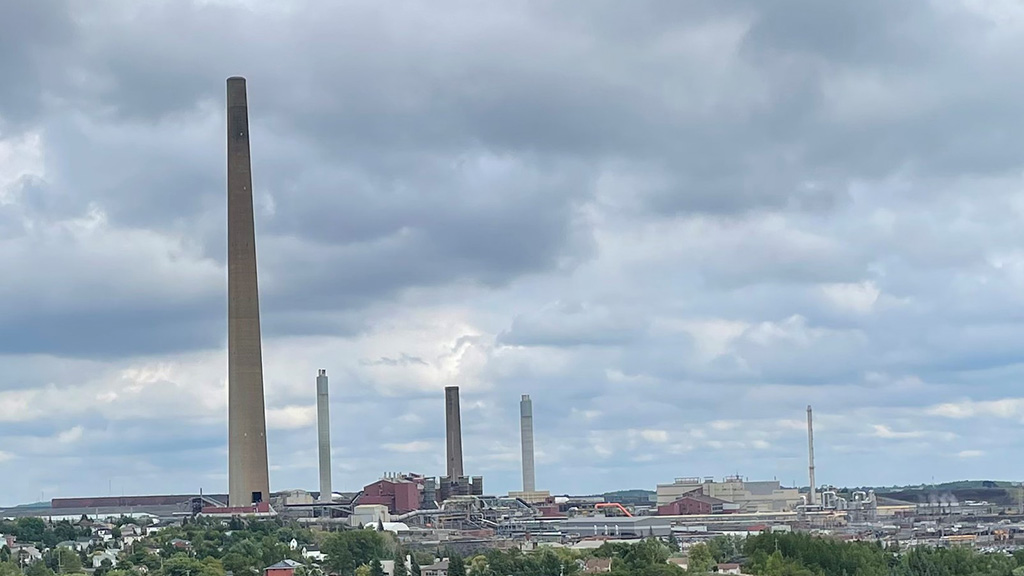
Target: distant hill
[634,497]
[33,505]
[956,485]
[998,492]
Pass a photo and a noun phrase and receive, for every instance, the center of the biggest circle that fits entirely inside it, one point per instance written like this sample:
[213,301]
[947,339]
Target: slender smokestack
[323,425]
[453,432]
[526,430]
[248,476]
[811,498]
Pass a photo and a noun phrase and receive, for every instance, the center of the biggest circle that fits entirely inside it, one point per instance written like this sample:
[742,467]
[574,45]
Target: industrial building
[696,502]
[400,493]
[760,496]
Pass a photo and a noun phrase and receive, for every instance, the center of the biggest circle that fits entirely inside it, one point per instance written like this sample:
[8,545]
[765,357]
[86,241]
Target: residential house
[99,556]
[285,567]
[312,552]
[729,569]
[179,544]
[439,568]
[131,530]
[597,565]
[26,553]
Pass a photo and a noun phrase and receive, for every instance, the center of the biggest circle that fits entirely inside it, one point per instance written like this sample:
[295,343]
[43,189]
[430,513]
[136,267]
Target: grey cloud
[29,33]
[572,323]
[404,360]
[700,174]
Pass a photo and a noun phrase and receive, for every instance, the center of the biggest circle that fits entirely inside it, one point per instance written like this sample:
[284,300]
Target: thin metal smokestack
[811,498]
[526,430]
[453,431]
[323,426]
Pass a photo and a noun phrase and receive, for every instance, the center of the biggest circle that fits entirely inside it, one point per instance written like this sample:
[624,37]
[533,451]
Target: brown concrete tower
[453,432]
[248,478]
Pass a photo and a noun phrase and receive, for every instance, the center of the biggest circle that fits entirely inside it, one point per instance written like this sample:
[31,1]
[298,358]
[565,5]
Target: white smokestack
[323,425]
[810,454]
[526,430]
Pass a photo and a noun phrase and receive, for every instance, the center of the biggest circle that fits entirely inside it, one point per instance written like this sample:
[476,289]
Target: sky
[673,224]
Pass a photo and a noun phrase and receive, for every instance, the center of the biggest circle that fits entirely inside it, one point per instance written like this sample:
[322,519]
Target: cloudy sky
[674,224]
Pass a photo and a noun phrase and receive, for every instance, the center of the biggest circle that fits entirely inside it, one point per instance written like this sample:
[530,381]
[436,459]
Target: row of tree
[36,531]
[772,554]
[244,548]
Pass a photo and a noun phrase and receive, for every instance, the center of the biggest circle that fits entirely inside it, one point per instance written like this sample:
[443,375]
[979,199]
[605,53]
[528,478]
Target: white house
[313,553]
[100,556]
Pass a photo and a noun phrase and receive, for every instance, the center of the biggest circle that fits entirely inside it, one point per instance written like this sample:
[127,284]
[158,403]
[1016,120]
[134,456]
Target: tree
[30,529]
[347,550]
[104,568]
[8,568]
[725,548]
[648,552]
[400,569]
[64,531]
[145,558]
[183,565]
[701,560]
[477,565]
[376,569]
[40,569]
[362,570]
[238,564]
[456,566]
[64,561]
[548,564]
[673,542]
[414,567]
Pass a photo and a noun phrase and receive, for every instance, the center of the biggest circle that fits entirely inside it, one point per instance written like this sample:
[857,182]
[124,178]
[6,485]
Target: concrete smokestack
[811,498]
[248,476]
[526,431]
[323,426]
[453,431]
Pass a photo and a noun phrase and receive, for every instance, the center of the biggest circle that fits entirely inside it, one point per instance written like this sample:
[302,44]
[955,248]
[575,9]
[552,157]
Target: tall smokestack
[526,430]
[323,426]
[811,498]
[453,432]
[248,476]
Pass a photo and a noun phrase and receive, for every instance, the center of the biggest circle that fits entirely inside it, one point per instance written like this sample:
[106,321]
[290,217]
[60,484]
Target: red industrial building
[399,494]
[694,503]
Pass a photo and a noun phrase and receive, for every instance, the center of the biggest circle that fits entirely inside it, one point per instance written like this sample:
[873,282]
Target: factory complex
[455,510]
